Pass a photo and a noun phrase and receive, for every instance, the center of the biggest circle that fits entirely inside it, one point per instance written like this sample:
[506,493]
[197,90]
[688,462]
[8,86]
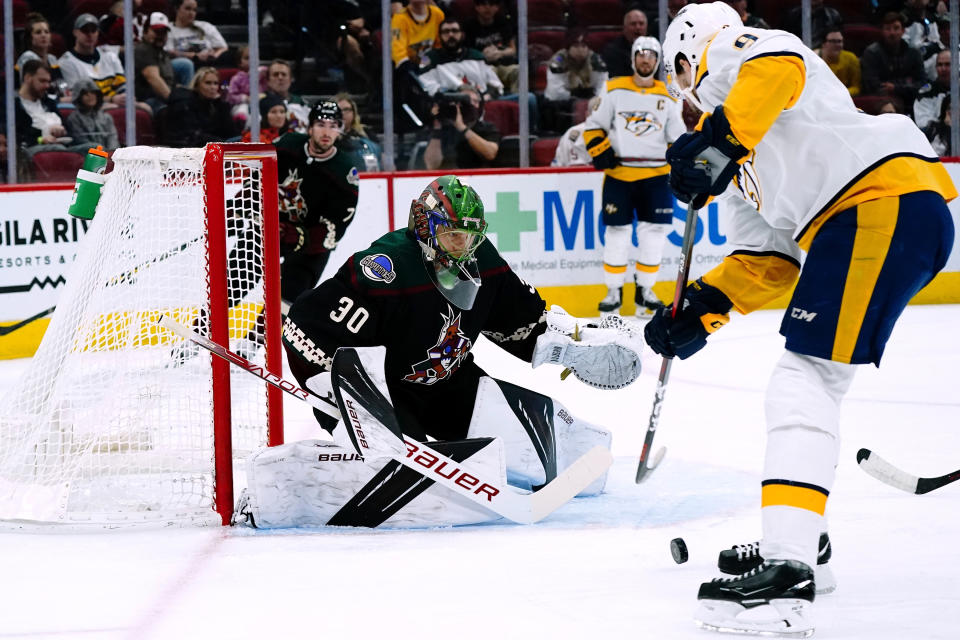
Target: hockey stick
[169,253]
[10,328]
[489,492]
[683,272]
[891,475]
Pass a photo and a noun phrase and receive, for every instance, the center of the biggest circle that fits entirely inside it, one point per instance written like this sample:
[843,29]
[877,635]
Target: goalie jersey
[812,154]
[639,123]
[384,296]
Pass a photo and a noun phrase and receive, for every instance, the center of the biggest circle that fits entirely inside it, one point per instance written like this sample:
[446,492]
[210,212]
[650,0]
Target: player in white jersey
[803,170]
[627,135]
[571,150]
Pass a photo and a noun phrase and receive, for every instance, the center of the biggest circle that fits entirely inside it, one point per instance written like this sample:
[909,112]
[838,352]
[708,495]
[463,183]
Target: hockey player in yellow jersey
[864,197]
[627,135]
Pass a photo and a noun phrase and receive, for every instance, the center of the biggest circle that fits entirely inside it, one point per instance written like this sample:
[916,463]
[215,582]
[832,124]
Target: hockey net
[117,421]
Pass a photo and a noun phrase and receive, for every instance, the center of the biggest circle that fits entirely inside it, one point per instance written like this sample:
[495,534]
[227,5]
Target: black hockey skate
[647,303]
[611,303]
[771,600]
[741,558]
[243,514]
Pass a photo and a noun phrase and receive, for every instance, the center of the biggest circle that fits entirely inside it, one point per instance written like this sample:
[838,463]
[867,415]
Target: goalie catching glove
[604,354]
[705,309]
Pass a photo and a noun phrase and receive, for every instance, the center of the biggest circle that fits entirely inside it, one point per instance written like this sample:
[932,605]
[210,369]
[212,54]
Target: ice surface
[597,568]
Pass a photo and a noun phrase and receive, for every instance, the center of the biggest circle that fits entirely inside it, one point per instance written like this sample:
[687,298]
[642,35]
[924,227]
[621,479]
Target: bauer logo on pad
[378,267]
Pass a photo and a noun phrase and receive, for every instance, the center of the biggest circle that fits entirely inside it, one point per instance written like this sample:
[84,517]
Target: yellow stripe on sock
[793,496]
[648,268]
[876,221]
[614,268]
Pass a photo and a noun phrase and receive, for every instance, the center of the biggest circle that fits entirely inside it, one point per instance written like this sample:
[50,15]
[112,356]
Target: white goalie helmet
[645,43]
[688,35]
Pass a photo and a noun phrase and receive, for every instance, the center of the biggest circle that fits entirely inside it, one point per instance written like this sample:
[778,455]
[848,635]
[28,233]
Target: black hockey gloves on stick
[702,163]
[891,475]
[705,309]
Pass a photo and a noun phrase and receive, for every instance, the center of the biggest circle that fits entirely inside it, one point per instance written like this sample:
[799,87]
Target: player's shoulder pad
[291,141]
[624,83]
[393,261]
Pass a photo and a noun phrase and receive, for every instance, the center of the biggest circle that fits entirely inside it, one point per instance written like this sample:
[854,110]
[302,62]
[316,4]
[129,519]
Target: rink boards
[544,221]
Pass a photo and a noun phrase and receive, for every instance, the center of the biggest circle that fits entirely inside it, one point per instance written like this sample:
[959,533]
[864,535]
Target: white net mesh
[112,422]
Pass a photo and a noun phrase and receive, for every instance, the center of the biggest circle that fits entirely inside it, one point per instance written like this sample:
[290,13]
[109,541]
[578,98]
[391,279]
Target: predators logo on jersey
[747,183]
[640,122]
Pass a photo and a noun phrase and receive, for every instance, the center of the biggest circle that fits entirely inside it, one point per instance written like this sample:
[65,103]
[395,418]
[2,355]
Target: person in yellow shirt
[414,31]
[844,64]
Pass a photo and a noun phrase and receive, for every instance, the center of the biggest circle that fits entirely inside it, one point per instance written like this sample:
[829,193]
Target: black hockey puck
[678,549]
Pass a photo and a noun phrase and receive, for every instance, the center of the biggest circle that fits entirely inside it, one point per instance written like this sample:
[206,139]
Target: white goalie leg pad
[313,483]
[803,446]
[616,247]
[649,254]
[604,354]
[541,437]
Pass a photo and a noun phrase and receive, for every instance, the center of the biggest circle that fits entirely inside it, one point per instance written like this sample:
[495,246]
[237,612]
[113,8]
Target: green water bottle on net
[90,179]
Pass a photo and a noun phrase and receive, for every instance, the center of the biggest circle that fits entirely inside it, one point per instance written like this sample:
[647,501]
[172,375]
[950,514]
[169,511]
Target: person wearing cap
[87,61]
[575,72]
[154,71]
[319,186]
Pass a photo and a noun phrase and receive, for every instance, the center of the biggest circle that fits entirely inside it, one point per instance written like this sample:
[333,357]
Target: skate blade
[615,312]
[824,580]
[785,618]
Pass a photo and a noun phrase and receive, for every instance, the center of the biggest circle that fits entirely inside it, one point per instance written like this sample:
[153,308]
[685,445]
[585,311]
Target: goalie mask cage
[117,421]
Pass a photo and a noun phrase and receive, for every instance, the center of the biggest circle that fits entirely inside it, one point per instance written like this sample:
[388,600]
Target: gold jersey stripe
[892,177]
[626,83]
[632,174]
[614,268]
[753,280]
[876,222]
[785,495]
[765,87]
[648,268]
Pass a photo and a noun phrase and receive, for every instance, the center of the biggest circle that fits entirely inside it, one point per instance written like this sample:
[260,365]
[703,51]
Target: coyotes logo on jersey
[640,122]
[444,357]
[291,200]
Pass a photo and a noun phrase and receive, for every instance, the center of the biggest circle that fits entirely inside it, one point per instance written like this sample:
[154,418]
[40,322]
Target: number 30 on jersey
[355,319]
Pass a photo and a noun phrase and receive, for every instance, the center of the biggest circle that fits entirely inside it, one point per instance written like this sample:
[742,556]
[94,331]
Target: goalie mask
[447,221]
[645,45]
[687,38]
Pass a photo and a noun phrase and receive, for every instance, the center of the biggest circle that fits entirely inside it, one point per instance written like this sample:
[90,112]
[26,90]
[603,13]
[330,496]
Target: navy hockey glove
[705,309]
[292,238]
[702,163]
[602,154]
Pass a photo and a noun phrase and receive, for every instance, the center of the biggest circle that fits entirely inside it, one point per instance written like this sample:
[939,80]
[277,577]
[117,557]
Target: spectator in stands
[238,91]
[571,150]
[416,30]
[452,65]
[748,19]
[273,121]
[938,131]
[196,40]
[823,19]
[494,34]
[88,124]
[357,54]
[36,46]
[460,138]
[930,98]
[887,106]
[198,115]
[154,72]
[616,55]
[575,72]
[844,64]
[38,124]
[891,66]
[86,61]
[279,81]
[355,134]
[111,26]
[922,33]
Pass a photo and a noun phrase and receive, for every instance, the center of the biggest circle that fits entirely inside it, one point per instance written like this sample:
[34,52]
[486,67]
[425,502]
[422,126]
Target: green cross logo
[508,221]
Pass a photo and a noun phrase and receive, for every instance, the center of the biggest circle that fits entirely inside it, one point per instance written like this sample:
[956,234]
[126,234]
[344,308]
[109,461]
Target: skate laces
[746,551]
[757,569]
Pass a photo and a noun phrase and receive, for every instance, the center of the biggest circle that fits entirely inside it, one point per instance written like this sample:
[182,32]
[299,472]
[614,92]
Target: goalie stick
[885,472]
[683,272]
[491,493]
